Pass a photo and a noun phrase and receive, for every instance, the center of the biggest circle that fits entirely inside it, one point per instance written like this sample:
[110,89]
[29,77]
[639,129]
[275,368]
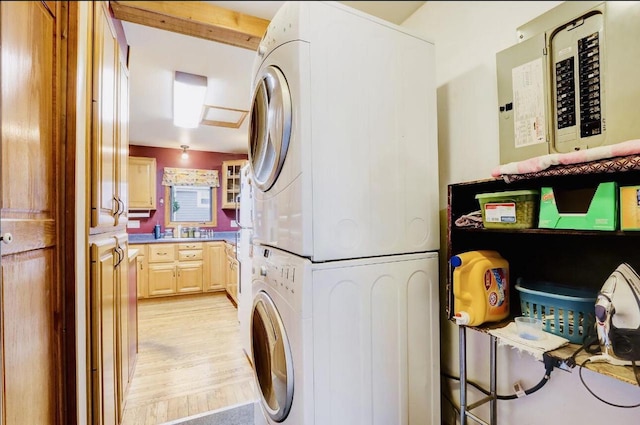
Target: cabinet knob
[7,238]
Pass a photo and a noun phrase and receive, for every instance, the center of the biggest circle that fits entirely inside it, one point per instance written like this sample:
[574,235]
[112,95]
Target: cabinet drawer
[190,245]
[190,254]
[160,253]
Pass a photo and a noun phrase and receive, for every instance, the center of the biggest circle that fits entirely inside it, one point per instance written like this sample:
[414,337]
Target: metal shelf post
[492,399]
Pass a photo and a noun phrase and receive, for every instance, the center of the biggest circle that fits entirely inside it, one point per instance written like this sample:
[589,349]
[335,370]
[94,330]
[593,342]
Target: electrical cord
[601,399]
[591,344]
[549,364]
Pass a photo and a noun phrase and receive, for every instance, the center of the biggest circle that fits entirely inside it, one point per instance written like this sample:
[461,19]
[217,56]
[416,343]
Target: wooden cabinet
[215,267]
[231,182]
[122,322]
[162,279]
[142,277]
[162,269]
[175,268]
[35,38]
[189,267]
[189,277]
[232,272]
[109,327]
[109,144]
[167,269]
[132,324]
[574,258]
[142,183]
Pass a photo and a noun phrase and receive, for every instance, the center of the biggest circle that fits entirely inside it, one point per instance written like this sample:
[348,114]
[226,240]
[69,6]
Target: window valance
[190,177]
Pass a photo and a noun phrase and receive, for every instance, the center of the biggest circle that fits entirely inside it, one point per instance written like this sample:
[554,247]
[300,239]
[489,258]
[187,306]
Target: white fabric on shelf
[508,335]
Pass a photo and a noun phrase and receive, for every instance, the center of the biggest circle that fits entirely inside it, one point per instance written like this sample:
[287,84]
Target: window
[190,205]
[190,197]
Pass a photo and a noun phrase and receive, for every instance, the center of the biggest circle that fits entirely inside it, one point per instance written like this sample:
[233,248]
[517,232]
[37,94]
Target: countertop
[146,238]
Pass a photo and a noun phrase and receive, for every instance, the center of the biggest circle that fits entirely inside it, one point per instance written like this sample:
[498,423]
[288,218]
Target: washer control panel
[281,272]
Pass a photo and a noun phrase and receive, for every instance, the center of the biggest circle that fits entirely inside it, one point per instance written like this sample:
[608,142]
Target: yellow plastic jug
[480,287]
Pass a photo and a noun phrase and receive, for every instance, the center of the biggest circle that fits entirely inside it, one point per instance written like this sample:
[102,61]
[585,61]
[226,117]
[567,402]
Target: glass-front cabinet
[231,182]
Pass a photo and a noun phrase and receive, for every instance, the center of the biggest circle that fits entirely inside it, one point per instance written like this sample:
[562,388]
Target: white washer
[280,332]
[343,142]
[346,342]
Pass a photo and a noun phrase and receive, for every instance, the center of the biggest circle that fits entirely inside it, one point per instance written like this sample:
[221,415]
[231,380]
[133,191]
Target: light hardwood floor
[190,360]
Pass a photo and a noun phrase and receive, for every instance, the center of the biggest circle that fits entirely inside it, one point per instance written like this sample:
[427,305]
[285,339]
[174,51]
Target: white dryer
[343,142]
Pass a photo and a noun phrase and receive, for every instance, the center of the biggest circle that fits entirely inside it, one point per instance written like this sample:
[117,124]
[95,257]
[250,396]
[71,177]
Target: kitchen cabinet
[142,277]
[175,268]
[574,258]
[162,270]
[168,269]
[162,279]
[142,183]
[231,182]
[215,267]
[122,322]
[232,272]
[109,140]
[132,323]
[189,267]
[109,327]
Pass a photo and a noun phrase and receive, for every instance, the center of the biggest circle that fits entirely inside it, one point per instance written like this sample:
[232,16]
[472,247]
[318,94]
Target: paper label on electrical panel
[500,212]
[528,104]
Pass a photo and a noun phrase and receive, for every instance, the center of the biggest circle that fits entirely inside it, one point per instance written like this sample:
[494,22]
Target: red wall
[171,158]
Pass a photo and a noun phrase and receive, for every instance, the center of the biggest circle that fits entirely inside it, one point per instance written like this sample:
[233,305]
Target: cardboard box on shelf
[630,208]
[590,208]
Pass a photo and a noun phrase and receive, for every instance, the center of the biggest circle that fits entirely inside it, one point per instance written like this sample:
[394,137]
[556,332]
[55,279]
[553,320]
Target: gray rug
[236,415]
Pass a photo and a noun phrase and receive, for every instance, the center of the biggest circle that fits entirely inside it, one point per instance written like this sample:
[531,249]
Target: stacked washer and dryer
[343,150]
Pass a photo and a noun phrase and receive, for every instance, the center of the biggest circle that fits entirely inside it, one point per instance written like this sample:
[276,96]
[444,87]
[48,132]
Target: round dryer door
[272,359]
[270,128]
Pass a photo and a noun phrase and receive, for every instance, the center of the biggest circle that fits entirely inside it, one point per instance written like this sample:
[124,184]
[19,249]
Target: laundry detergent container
[480,287]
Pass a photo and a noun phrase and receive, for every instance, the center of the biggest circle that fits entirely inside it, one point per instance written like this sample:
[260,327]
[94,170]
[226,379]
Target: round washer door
[272,359]
[270,127]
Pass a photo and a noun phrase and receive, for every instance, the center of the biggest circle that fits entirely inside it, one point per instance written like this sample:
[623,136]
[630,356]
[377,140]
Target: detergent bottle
[480,287]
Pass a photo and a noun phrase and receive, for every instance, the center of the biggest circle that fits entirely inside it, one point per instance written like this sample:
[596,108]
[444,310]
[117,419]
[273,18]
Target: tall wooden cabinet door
[122,155]
[103,330]
[104,201]
[30,290]
[122,321]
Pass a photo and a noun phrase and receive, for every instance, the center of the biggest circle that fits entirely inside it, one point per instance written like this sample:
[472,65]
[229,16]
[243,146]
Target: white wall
[467,36]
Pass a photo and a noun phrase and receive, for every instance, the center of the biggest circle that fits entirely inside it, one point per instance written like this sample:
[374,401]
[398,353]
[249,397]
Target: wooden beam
[196,19]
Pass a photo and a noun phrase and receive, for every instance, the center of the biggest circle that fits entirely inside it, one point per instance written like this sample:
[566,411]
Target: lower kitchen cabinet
[232,272]
[215,267]
[162,279]
[189,277]
[142,276]
[167,269]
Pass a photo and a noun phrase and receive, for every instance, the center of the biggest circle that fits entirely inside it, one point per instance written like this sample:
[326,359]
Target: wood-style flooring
[189,360]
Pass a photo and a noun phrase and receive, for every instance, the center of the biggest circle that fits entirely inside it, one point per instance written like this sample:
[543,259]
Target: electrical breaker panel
[571,83]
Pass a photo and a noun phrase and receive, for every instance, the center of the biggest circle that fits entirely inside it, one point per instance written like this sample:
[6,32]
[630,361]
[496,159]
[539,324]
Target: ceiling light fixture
[184,154]
[189,92]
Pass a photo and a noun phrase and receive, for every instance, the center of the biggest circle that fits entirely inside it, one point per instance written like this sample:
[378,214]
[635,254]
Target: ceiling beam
[195,18]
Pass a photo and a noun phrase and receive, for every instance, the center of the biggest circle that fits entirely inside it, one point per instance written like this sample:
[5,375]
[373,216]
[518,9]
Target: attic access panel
[220,116]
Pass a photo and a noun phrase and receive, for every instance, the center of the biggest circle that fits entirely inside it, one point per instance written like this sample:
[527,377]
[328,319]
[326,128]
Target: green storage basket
[565,311]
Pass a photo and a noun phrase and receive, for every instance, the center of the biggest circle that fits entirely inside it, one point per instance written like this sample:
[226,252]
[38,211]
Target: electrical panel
[571,82]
